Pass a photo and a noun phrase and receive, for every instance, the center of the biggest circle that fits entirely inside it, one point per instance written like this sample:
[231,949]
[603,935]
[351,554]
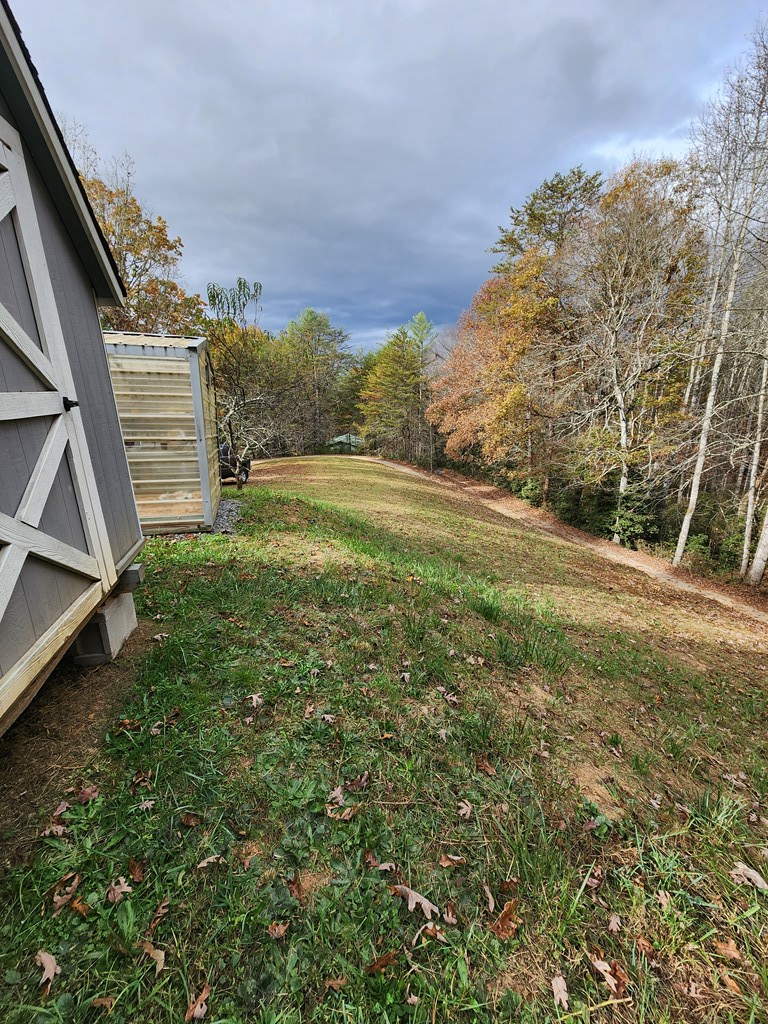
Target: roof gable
[23,92]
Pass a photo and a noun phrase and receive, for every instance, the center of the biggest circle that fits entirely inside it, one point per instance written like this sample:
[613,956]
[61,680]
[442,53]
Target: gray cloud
[359,155]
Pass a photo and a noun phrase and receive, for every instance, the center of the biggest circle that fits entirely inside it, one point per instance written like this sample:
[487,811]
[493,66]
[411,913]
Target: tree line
[616,364]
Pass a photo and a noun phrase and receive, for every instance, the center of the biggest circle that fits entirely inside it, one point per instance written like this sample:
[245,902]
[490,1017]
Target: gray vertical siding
[85,346]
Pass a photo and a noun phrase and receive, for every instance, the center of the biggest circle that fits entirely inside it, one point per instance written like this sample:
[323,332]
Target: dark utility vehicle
[232,468]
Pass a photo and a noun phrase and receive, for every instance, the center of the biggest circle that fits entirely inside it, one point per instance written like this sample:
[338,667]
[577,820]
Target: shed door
[55,559]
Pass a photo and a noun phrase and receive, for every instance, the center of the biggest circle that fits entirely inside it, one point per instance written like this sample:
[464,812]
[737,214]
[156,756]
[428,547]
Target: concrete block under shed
[101,639]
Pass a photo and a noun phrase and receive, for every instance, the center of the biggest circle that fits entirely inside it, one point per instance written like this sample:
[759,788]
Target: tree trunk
[709,409]
[757,570]
[751,490]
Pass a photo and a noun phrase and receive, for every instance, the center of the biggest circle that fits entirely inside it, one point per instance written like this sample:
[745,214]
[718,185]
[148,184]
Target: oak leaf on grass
[745,875]
[49,966]
[451,860]
[295,888]
[341,813]
[560,991]
[507,923]
[160,911]
[63,893]
[216,858]
[483,765]
[728,949]
[414,900]
[198,1007]
[157,954]
[465,809]
[380,965]
[118,889]
[612,974]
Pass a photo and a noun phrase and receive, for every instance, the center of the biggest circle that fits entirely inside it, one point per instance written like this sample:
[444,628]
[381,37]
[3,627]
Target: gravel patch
[227,516]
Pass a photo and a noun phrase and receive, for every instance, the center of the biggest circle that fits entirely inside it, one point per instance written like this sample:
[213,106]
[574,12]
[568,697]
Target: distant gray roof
[352,439]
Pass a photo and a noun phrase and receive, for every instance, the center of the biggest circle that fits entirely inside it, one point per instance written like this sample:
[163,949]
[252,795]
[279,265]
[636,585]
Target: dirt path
[505,504]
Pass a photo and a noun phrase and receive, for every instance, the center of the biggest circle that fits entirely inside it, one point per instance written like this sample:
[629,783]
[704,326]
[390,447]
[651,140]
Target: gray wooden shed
[167,405]
[68,523]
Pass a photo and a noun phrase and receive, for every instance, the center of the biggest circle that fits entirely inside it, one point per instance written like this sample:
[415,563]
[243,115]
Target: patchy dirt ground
[59,733]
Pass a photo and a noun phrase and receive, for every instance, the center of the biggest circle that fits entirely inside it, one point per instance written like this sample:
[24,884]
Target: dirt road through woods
[752,604]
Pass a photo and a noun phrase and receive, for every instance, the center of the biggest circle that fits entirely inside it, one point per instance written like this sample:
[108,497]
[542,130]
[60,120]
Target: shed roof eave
[38,126]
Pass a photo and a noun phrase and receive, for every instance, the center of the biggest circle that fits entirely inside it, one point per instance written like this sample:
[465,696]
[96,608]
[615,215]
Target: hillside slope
[394,756]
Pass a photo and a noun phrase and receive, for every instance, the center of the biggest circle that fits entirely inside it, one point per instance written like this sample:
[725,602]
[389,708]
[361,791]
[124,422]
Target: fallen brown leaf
[341,813]
[483,765]
[277,931]
[49,966]
[55,829]
[449,914]
[294,887]
[664,899]
[118,889]
[432,930]
[489,897]
[136,869]
[334,983]
[191,820]
[127,725]
[215,858]
[157,955]
[728,949]
[730,984]
[613,975]
[744,874]
[560,991]
[380,966]
[336,796]
[507,922]
[63,893]
[105,1002]
[160,911]
[198,1007]
[614,923]
[79,907]
[451,860]
[141,779]
[415,899]
[465,809]
[87,794]
[450,698]
[360,782]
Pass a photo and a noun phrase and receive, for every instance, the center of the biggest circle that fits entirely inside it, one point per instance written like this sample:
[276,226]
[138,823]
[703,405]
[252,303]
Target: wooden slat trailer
[167,406]
[69,530]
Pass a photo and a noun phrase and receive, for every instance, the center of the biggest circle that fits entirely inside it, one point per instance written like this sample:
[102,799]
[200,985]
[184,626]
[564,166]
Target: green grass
[390,632]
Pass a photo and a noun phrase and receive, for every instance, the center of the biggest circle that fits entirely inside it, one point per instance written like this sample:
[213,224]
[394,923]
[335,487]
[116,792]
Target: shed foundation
[101,640]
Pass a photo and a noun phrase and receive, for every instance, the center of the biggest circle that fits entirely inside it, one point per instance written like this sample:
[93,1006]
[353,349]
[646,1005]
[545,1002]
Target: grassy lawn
[391,758]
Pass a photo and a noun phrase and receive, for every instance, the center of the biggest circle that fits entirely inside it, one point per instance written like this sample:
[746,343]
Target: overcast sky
[358,156]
